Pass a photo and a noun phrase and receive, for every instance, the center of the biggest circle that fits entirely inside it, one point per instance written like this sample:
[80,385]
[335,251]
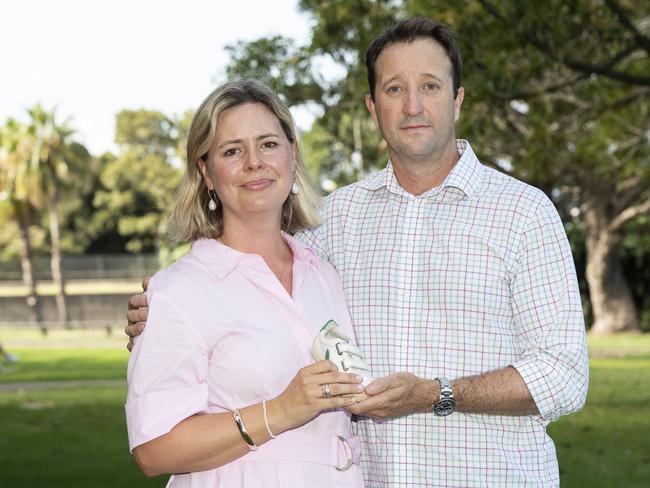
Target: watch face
[444,407]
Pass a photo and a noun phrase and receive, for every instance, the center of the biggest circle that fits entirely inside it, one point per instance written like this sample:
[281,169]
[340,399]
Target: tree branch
[527,95]
[628,214]
[641,40]
[604,69]
[629,191]
[601,70]
[623,101]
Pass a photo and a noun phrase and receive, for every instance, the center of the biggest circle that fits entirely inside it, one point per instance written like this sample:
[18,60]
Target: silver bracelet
[242,430]
[266,420]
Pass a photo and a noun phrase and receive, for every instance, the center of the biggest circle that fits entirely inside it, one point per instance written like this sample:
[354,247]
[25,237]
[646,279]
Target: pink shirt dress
[222,334]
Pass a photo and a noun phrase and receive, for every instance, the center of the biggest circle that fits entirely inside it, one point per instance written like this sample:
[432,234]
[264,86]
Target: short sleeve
[167,371]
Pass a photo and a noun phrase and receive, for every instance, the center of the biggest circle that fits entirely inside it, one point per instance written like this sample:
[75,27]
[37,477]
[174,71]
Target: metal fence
[88,267]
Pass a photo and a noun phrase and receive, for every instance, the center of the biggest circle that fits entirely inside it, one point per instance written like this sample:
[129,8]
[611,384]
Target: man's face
[414,105]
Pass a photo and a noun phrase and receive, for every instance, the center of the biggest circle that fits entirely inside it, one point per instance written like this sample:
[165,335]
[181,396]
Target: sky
[92,59]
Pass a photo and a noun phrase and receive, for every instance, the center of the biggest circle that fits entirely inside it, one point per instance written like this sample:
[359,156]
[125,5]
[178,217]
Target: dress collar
[222,259]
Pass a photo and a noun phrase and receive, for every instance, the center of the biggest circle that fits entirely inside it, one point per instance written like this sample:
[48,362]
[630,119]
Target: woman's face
[250,163]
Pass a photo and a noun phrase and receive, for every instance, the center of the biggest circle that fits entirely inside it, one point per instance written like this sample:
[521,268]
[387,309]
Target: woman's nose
[254,159]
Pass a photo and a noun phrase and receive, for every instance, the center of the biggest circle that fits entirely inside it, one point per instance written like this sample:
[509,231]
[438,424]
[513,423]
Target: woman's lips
[257,185]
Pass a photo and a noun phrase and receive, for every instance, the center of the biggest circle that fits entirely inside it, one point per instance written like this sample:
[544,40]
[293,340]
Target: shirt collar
[465,175]
[222,260]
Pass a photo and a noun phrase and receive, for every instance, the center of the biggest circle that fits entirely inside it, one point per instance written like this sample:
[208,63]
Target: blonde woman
[222,387]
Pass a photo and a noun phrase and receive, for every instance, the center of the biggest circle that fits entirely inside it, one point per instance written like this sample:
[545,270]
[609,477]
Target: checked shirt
[471,276]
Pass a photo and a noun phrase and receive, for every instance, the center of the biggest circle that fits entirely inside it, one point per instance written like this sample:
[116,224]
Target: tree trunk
[57,261]
[611,298]
[29,277]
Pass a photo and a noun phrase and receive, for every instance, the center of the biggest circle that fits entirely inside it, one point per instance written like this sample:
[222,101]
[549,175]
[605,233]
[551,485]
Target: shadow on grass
[67,438]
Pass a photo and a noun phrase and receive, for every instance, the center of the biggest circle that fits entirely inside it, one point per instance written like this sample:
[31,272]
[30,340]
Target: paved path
[45,385]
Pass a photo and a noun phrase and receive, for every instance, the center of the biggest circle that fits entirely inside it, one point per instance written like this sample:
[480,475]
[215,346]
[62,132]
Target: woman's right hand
[304,398]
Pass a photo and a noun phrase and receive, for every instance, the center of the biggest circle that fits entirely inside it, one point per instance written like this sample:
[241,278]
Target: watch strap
[446,403]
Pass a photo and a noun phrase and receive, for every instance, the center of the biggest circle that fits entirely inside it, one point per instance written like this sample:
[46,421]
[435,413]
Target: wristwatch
[446,403]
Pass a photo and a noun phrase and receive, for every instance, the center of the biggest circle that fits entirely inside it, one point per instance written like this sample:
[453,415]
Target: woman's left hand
[317,387]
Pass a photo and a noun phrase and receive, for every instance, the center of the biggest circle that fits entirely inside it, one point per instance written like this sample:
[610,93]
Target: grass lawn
[42,364]
[607,444]
[77,437]
[67,438]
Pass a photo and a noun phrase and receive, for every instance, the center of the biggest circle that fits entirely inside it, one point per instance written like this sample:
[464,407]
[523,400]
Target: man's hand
[137,314]
[397,395]
[499,392]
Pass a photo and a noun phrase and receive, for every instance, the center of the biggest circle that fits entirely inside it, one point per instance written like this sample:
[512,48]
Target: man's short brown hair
[407,31]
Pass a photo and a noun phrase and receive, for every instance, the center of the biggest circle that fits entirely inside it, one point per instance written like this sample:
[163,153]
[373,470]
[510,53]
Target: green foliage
[285,67]
[40,167]
[137,186]
[150,131]
[526,94]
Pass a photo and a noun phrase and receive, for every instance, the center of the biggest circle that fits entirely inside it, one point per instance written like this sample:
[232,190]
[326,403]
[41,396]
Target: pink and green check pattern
[471,276]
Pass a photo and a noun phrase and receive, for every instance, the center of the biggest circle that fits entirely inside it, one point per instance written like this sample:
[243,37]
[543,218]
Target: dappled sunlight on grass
[76,437]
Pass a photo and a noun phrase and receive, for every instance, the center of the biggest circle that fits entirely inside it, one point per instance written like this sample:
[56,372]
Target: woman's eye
[230,152]
[269,144]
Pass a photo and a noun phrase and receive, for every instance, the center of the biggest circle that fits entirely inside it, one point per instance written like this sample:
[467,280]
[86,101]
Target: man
[452,270]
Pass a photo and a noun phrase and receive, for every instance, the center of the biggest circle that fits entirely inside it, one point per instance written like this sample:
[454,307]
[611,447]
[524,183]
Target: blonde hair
[191,219]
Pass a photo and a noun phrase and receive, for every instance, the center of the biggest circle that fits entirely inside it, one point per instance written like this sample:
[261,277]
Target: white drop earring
[212,205]
[295,188]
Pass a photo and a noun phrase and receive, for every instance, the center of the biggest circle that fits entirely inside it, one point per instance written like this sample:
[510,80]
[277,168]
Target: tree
[579,87]
[53,157]
[14,206]
[138,185]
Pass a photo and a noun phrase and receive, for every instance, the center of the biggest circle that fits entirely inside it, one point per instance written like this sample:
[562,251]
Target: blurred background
[95,103]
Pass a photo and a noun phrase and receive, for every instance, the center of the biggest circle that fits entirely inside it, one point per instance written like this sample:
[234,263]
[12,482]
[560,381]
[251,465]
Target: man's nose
[413,103]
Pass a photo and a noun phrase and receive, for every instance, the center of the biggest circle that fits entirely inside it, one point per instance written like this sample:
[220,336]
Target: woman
[234,320]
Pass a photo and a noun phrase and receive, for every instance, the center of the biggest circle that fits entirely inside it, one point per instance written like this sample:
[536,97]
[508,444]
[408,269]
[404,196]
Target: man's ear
[372,108]
[458,102]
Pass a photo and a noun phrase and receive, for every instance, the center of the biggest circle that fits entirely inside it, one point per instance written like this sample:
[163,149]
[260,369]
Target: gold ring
[345,442]
[327,393]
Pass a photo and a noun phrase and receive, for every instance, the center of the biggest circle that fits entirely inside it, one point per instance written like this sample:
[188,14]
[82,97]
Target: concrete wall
[84,310]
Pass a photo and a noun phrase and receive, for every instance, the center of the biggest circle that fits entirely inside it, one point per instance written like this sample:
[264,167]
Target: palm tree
[16,185]
[53,157]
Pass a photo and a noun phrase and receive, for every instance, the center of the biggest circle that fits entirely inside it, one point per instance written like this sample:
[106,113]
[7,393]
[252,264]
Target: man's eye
[394,89]
[431,86]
